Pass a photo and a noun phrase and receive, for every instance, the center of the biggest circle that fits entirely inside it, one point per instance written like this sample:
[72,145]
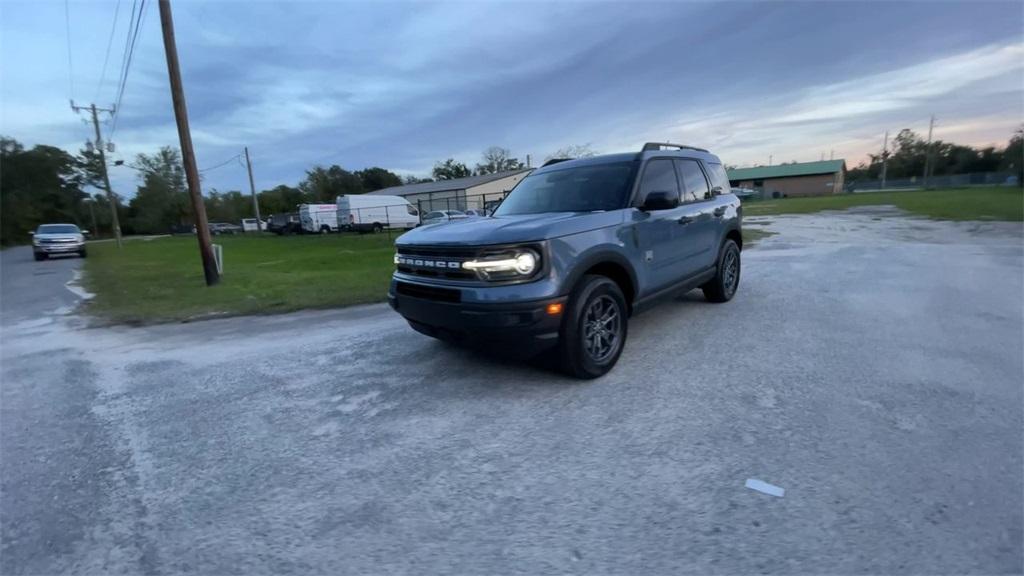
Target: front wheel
[723,286]
[594,330]
[377,228]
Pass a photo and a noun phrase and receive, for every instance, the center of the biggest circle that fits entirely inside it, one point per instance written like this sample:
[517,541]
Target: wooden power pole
[103,166]
[252,188]
[187,153]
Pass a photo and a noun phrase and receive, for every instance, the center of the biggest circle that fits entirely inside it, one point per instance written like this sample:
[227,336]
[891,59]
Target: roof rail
[659,145]
[555,161]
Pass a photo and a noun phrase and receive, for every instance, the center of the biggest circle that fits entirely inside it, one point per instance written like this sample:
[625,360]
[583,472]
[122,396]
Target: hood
[508,229]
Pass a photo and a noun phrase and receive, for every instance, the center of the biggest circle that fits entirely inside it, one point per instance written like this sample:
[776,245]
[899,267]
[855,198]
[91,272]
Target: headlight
[517,264]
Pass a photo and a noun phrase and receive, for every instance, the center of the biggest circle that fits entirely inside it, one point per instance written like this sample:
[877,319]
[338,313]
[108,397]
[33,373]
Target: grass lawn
[983,203]
[162,280]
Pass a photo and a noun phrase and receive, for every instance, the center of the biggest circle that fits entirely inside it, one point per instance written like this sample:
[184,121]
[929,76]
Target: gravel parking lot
[871,365]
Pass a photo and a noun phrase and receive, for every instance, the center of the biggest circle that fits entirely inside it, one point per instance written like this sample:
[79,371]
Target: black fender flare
[591,259]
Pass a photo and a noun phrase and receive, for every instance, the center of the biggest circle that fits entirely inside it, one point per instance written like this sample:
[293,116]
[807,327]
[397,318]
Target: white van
[318,218]
[370,213]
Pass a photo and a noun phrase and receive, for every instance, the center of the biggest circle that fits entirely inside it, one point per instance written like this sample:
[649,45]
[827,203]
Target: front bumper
[58,248]
[523,327]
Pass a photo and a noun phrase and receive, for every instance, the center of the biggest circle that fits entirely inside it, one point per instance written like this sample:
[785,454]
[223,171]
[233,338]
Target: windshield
[58,229]
[582,189]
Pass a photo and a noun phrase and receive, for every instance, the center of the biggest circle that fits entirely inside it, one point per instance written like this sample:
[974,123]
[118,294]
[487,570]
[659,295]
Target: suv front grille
[436,262]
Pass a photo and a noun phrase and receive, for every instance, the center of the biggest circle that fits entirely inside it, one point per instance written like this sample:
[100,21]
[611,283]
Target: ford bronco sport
[575,249]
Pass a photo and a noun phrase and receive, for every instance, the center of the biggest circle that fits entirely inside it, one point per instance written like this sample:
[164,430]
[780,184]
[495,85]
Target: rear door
[657,229]
[699,225]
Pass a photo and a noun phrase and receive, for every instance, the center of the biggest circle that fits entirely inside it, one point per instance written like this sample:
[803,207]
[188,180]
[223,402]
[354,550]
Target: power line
[71,69]
[110,42]
[128,65]
[224,163]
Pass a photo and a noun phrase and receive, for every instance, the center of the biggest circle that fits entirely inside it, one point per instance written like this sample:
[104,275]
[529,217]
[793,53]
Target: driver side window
[659,176]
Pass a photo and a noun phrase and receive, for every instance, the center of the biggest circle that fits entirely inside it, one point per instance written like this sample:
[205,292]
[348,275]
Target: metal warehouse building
[800,179]
[458,194]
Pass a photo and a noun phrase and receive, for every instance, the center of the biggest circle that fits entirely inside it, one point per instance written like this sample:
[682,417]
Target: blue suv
[575,249]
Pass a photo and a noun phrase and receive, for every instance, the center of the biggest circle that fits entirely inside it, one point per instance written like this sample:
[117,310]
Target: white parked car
[439,216]
[373,213]
[476,213]
[253,225]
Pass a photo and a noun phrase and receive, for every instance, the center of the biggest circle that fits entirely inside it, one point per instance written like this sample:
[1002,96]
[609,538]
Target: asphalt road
[870,365]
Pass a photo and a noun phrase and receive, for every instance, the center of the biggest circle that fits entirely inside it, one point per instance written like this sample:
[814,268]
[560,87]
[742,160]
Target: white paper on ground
[755,484]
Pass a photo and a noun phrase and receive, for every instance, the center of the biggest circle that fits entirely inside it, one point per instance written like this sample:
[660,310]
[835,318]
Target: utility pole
[769,159]
[103,164]
[885,157]
[187,153]
[928,152]
[252,188]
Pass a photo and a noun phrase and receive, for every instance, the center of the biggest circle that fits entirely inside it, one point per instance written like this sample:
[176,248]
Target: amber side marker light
[555,308]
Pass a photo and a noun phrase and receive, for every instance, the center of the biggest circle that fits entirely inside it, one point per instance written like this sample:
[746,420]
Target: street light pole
[187,153]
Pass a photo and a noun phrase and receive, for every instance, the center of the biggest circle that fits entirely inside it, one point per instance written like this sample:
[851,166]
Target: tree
[281,199]
[324,185]
[37,186]
[229,206]
[1013,156]
[497,159]
[450,170]
[161,202]
[573,151]
[375,178]
[410,179]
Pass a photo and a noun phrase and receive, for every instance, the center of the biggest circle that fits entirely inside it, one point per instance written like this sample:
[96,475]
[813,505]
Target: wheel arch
[611,265]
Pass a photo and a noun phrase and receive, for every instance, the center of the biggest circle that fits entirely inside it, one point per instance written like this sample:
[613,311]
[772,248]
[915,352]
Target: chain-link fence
[947,181]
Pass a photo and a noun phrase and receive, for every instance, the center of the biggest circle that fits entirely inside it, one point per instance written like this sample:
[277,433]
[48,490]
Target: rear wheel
[377,227]
[325,229]
[723,286]
[594,330]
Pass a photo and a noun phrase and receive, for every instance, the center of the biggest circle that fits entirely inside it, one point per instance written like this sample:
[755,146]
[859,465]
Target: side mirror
[660,200]
[86,232]
[715,191]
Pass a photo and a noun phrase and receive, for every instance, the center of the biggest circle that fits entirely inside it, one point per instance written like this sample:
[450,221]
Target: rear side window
[659,176]
[719,177]
[695,186]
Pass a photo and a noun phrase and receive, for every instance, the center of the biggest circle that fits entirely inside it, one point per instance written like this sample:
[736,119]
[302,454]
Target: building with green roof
[798,179]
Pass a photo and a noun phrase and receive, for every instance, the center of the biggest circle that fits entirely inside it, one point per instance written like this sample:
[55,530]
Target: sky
[402,85]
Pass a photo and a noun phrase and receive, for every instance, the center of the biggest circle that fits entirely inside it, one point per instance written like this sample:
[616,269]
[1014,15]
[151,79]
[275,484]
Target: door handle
[719,212]
[684,220]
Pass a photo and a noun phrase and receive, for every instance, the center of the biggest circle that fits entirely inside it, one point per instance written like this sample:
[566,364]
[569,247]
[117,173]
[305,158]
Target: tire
[723,286]
[82,254]
[593,296]
[377,228]
[325,229]
[39,257]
